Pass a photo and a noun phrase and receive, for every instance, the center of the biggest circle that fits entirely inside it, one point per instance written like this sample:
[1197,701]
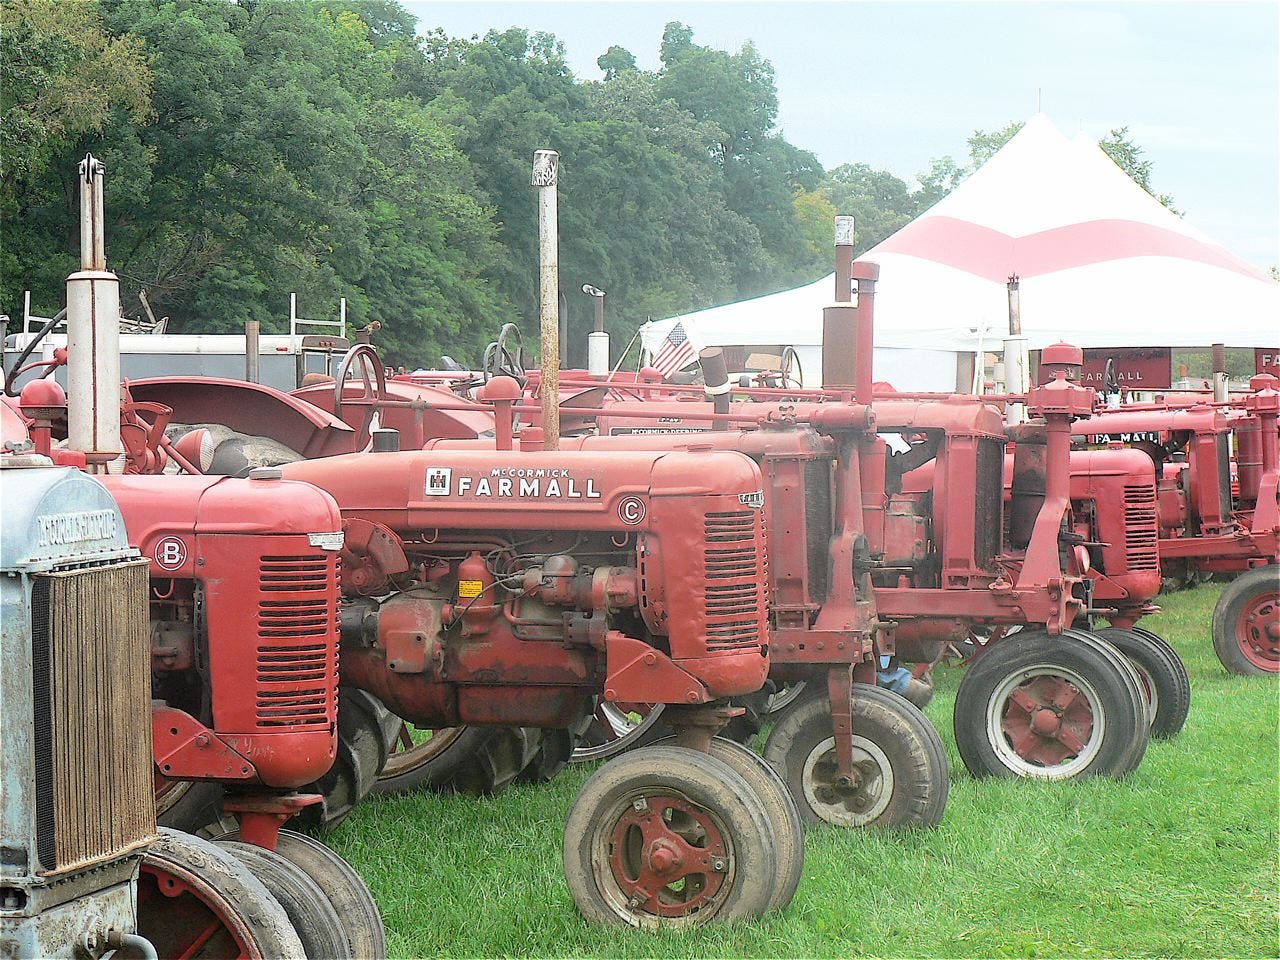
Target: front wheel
[1165,683]
[195,899]
[900,767]
[665,836]
[1052,708]
[1246,623]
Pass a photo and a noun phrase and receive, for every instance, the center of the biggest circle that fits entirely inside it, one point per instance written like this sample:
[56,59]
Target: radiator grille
[92,685]
[989,490]
[1141,532]
[736,577]
[297,668]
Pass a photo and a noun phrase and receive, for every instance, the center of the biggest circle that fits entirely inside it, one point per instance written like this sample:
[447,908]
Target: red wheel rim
[667,856]
[1258,631]
[185,918]
[1047,721]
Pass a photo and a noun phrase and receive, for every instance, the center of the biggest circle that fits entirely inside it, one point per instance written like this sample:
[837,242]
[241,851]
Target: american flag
[677,350]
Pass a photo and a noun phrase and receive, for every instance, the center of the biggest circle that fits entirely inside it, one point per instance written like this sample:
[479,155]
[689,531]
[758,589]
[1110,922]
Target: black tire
[1246,632]
[217,887]
[1165,684]
[784,696]
[366,732]
[194,806]
[896,750]
[478,761]
[555,750]
[366,936]
[1098,681]
[788,827]
[702,809]
[313,917]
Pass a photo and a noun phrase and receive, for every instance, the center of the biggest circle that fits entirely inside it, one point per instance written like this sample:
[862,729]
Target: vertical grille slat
[1141,528]
[735,579]
[296,675]
[92,683]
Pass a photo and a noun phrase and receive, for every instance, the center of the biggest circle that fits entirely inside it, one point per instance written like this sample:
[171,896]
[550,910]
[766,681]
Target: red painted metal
[668,855]
[267,616]
[1257,632]
[1047,721]
[1267,360]
[537,578]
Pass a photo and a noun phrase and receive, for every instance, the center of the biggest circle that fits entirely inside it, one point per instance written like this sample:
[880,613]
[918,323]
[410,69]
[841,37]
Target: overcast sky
[896,84]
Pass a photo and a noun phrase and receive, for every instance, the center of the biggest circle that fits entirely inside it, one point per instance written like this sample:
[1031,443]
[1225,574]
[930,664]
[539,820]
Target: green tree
[879,202]
[616,60]
[1128,156]
[62,77]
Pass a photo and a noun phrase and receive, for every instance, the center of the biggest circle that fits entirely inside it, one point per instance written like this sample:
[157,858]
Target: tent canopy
[1101,263]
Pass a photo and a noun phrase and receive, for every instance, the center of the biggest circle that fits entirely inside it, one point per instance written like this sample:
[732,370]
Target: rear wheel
[900,776]
[665,836]
[366,732]
[1054,708]
[471,760]
[1163,676]
[619,727]
[1246,623]
[196,900]
[309,910]
[362,926]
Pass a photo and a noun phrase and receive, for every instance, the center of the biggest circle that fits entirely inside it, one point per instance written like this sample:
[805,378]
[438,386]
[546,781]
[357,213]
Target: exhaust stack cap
[844,230]
[1062,356]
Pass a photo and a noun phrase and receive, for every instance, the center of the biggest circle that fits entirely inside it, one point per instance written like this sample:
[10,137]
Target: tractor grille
[297,654]
[92,684]
[989,494]
[1141,532]
[736,575]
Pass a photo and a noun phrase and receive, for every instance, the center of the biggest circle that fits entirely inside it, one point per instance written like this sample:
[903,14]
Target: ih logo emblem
[170,553]
[438,481]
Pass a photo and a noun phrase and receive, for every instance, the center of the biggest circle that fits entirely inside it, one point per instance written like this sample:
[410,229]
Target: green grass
[1179,860]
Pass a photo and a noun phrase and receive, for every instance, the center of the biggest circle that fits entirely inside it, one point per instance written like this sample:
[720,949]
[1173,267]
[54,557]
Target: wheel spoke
[195,946]
[1024,700]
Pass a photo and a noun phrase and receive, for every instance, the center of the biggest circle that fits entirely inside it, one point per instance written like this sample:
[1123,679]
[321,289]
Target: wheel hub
[667,856]
[1258,632]
[1047,721]
[852,800]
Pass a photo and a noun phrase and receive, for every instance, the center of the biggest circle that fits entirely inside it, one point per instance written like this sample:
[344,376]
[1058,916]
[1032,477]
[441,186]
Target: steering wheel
[792,371]
[374,378]
[1110,381]
[30,348]
[501,362]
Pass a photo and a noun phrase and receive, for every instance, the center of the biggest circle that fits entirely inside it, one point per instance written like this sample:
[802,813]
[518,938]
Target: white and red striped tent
[1101,263]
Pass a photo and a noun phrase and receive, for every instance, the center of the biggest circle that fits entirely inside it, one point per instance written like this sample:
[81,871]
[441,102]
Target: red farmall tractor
[1201,525]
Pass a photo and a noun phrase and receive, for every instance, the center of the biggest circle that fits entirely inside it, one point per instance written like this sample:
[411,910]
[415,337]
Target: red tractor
[1201,525]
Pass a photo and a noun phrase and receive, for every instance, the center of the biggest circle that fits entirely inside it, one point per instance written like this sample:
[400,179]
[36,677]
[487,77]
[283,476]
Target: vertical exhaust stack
[1221,383]
[598,339]
[839,321]
[865,275]
[93,337]
[1017,363]
[545,177]
[715,377]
